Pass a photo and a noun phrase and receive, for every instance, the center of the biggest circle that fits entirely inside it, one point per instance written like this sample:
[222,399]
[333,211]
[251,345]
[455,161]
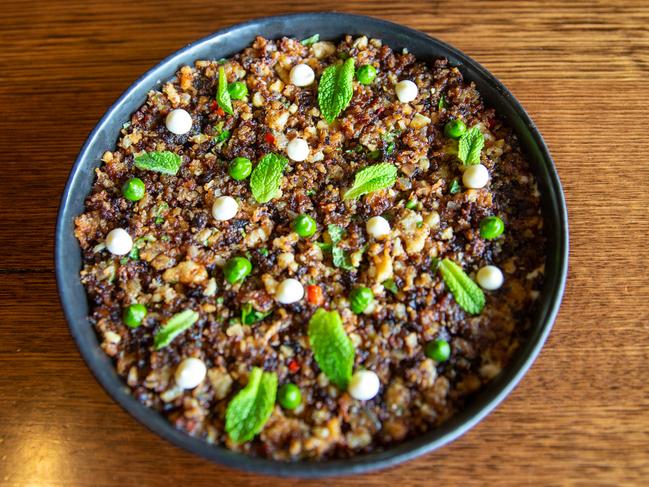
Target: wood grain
[580,416]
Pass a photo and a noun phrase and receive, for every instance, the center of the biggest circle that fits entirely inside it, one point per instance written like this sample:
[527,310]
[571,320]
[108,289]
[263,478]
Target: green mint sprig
[174,327]
[335,89]
[467,294]
[249,410]
[470,146]
[222,93]
[266,178]
[372,178]
[163,162]
[309,41]
[332,348]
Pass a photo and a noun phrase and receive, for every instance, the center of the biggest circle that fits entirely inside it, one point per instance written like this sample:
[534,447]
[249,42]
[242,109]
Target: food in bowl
[312,250]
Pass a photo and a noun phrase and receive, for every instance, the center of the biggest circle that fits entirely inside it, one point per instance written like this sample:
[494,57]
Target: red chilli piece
[314,295]
[293,366]
[214,106]
[269,138]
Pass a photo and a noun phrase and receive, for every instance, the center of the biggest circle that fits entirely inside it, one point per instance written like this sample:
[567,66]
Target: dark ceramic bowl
[330,26]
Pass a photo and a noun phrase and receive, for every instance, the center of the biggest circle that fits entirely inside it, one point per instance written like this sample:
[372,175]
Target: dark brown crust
[181,268]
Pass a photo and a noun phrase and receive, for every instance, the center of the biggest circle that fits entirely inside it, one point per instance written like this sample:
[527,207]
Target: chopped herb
[372,178]
[332,348]
[165,238]
[159,211]
[220,300]
[335,233]
[310,192]
[411,204]
[263,251]
[390,148]
[222,137]
[250,315]
[324,245]
[336,89]
[391,286]
[309,41]
[441,104]
[420,224]
[455,187]
[249,410]
[341,259]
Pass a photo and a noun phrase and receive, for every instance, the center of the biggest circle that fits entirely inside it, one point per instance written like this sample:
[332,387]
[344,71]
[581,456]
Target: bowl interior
[330,26]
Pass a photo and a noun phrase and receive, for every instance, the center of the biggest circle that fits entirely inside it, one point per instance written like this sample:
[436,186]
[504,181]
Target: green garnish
[222,136]
[339,256]
[372,178]
[335,233]
[332,348]
[309,41]
[267,177]
[470,146]
[250,315]
[442,103]
[222,93]
[159,212]
[249,410]
[174,327]
[467,294]
[390,148]
[411,204]
[390,285]
[341,259]
[163,162]
[263,251]
[455,187]
[335,89]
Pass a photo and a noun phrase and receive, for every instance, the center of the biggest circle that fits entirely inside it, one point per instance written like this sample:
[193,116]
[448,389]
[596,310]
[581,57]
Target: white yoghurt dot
[119,242]
[475,177]
[190,372]
[302,75]
[378,227]
[297,150]
[289,291]
[178,121]
[224,208]
[364,385]
[490,277]
[406,91]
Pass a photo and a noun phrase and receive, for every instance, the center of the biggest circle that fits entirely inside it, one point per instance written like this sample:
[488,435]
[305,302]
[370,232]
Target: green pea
[491,227]
[438,350]
[290,396]
[134,314]
[360,298]
[366,74]
[237,269]
[134,189]
[237,90]
[304,226]
[240,168]
[411,204]
[454,129]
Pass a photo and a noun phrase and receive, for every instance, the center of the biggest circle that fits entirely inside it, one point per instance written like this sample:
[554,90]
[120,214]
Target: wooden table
[580,69]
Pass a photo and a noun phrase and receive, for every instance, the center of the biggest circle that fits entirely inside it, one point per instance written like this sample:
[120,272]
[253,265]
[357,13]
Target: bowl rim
[490,397]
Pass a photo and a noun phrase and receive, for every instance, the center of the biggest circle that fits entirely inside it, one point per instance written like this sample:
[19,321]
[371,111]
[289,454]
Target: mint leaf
[163,162]
[222,93]
[335,233]
[174,327]
[332,348]
[372,178]
[341,259]
[267,177]
[222,136]
[469,146]
[336,89]
[455,187]
[467,294]
[249,410]
[309,41]
[441,103]
[250,315]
